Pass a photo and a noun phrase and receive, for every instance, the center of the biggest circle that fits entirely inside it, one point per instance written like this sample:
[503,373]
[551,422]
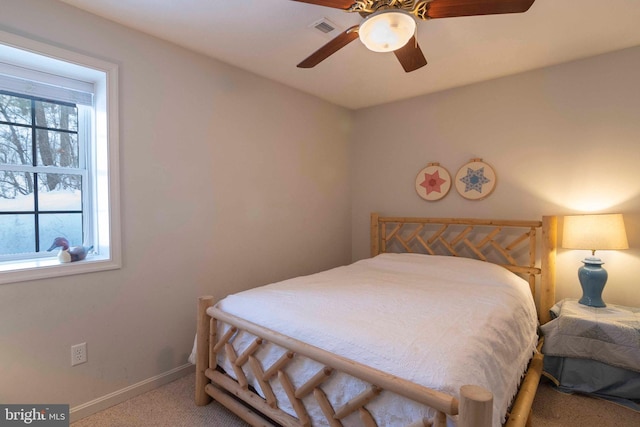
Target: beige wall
[562,140]
[228,181]
[220,167]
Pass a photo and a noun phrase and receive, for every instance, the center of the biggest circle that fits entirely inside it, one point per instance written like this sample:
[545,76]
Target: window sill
[47,268]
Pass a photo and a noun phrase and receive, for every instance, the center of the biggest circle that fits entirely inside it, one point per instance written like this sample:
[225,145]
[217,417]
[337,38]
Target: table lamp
[593,232]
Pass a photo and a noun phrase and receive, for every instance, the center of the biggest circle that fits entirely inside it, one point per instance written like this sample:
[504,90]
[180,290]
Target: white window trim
[107,175]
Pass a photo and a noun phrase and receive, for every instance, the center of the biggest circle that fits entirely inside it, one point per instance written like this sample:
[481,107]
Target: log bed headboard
[510,243]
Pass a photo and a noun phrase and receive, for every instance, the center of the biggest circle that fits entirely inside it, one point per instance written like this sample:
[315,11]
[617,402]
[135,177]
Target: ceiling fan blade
[336,4]
[410,56]
[330,48]
[453,8]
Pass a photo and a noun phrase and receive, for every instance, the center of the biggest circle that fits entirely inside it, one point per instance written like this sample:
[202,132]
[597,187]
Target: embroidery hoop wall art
[475,180]
[433,182]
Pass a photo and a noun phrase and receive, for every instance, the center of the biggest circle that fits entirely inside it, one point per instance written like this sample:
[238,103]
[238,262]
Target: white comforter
[442,322]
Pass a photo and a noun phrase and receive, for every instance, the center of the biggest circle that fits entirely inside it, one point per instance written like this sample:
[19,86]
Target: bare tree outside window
[41,173]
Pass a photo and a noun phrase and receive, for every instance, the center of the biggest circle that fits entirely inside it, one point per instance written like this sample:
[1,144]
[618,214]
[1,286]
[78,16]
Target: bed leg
[529,419]
[202,354]
[476,407]
[521,410]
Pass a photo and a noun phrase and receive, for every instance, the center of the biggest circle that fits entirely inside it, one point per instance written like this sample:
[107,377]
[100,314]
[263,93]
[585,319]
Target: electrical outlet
[78,354]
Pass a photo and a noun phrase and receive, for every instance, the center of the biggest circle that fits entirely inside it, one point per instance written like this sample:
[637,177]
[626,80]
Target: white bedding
[442,322]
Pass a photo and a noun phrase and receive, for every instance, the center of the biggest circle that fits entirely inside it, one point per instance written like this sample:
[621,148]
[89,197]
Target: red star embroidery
[432,182]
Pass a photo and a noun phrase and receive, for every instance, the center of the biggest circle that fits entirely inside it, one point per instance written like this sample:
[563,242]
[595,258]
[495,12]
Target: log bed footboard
[474,408]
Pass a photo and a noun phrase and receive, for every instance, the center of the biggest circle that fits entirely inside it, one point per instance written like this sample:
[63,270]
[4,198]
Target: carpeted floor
[172,406]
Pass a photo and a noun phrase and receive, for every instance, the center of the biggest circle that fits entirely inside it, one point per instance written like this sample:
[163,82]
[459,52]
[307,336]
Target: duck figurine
[64,256]
[69,253]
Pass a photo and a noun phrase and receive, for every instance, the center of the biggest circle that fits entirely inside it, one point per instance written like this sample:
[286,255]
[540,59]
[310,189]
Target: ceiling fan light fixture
[387,30]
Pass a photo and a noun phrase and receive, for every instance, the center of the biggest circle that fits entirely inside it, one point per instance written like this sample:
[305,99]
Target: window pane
[17,234]
[57,148]
[15,145]
[16,191]
[68,226]
[59,192]
[14,109]
[56,116]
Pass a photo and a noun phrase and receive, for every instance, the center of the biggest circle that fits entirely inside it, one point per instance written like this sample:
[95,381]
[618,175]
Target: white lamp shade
[387,30]
[594,232]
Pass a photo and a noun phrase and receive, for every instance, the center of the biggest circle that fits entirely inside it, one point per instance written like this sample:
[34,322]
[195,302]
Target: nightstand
[594,350]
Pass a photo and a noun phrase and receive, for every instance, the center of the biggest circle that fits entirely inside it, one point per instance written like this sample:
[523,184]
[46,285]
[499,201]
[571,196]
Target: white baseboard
[81,411]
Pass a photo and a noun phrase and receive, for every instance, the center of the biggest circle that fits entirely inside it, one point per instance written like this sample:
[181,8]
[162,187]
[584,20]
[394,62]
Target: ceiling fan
[390,25]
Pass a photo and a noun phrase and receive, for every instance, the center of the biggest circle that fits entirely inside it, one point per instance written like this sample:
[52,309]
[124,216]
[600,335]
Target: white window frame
[103,75]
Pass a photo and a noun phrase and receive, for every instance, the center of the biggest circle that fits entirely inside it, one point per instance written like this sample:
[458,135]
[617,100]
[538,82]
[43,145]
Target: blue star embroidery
[474,180]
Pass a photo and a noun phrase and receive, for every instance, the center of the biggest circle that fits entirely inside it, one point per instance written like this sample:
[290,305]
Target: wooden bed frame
[499,241]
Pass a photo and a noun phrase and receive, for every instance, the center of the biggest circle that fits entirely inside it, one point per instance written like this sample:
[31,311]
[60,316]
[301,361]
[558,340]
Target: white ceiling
[269,37]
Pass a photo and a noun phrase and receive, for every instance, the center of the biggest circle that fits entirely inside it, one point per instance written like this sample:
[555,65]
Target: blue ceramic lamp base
[592,279]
